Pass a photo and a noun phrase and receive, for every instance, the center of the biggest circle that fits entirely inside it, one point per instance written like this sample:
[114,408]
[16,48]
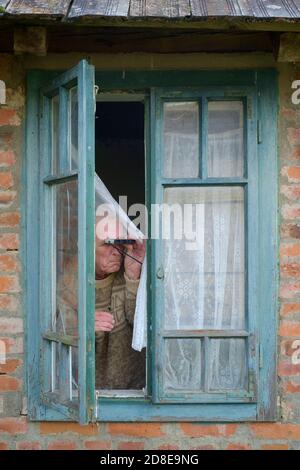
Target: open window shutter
[67,245]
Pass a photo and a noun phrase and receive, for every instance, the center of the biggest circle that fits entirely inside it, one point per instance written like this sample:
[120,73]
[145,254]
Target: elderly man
[118,366]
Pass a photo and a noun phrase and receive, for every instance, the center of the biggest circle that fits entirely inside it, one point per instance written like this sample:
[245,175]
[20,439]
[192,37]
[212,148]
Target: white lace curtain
[204,287]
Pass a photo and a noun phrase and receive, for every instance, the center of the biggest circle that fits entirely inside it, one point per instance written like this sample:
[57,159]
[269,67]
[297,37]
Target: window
[207,349]
[66,222]
[210,151]
[120,164]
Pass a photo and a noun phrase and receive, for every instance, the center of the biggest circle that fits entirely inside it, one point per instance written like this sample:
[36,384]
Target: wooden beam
[109,40]
[145,61]
[232,24]
[30,40]
[204,24]
[289,47]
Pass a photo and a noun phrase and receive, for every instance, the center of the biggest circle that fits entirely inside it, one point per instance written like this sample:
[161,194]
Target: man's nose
[116,253]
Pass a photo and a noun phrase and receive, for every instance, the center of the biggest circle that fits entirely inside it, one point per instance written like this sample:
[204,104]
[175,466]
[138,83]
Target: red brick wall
[11,322]
[15,430]
[289,289]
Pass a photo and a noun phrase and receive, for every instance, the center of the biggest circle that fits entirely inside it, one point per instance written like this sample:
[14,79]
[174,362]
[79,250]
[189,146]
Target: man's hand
[104,321]
[132,267]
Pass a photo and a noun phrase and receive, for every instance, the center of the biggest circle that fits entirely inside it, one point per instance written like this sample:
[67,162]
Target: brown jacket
[118,366]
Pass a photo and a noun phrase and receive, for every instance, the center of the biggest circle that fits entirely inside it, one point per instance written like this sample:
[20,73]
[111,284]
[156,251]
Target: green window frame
[258,90]
[248,183]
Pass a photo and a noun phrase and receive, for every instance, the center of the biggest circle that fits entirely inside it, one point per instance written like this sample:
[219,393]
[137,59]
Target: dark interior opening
[120,164]
[120,161]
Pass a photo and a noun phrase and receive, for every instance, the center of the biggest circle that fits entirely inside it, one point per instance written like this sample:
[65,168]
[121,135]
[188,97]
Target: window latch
[160,273]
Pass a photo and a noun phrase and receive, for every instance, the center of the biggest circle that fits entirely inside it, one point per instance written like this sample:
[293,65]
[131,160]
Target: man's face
[108,258]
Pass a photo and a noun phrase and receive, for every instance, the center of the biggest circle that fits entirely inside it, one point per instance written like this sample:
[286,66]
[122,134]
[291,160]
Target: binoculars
[119,241]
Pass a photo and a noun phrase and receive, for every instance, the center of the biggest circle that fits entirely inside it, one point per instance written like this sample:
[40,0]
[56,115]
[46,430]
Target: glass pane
[181,140]
[66,236]
[227,364]
[225,156]
[204,268]
[62,371]
[182,365]
[65,267]
[55,134]
[73,128]
[53,385]
[74,353]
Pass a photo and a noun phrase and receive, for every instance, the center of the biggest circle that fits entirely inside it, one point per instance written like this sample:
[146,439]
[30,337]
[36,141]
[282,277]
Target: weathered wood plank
[154,8]
[179,8]
[278,9]
[271,9]
[294,7]
[250,8]
[198,7]
[219,8]
[234,7]
[225,8]
[36,7]
[99,8]
[137,8]
[157,8]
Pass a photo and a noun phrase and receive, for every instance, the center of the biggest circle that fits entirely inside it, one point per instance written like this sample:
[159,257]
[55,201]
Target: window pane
[55,134]
[66,237]
[181,140]
[182,365]
[73,129]
[65,317]
[74,355]
[227,364]
[54,378]
[204,271]
[225,156]
[61,371]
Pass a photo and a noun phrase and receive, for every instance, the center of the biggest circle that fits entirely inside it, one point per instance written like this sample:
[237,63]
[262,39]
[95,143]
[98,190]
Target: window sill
[141,409]
[122,394]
